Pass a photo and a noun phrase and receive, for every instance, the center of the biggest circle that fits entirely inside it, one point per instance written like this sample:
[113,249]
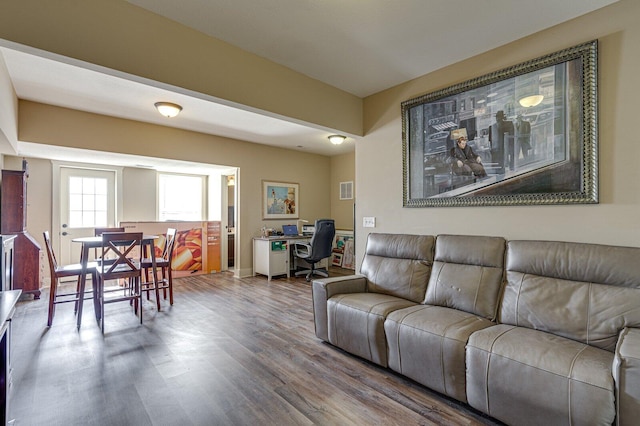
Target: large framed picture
[280,200]
[523,135]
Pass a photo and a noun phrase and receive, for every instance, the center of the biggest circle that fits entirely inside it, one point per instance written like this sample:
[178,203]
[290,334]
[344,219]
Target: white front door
[87,200]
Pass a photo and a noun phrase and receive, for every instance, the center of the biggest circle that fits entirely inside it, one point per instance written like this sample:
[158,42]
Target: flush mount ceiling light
[337,139]
[168,109]
[531,101]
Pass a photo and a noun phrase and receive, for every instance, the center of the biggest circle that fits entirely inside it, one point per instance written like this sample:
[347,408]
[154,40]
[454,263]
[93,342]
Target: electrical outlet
[369,222]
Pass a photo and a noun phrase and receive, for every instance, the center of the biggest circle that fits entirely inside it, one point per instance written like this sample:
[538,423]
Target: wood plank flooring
[228,352]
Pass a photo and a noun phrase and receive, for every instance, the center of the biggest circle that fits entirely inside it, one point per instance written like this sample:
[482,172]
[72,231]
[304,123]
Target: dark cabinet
[13,221]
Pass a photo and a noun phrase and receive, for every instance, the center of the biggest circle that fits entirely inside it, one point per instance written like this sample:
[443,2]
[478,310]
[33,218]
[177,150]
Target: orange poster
[190,255]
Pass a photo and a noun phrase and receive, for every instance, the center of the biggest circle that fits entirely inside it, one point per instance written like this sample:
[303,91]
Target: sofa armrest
[322,290]
[626,373]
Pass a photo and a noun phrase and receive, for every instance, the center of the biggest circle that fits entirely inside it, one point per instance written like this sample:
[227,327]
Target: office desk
[272,255]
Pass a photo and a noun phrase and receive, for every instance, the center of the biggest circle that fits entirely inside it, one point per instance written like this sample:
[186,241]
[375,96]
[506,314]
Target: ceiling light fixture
[337,139]
[168,109]
[531,101]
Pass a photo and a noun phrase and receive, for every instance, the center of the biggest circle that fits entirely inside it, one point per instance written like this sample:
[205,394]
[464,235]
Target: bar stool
[163,265]
[124,251]
[98,233]
[72,270]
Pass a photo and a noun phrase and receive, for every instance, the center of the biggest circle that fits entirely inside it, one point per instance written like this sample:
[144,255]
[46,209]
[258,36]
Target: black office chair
[317,249]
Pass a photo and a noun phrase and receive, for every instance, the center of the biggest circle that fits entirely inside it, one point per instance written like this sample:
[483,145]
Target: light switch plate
[369,222]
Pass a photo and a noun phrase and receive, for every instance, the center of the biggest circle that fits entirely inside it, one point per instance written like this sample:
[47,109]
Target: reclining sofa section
[529,332]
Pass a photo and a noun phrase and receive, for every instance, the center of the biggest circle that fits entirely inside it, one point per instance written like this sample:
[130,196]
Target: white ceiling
[365,46]
[361,47]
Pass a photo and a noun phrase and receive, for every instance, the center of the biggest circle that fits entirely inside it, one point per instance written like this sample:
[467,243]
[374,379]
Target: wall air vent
[346,190]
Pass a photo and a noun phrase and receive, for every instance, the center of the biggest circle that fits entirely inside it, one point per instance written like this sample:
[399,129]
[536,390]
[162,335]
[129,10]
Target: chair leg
[101,296]
[313,271]
[157,289]
[138,289]
[133,301]
[150,277]
[146,280]
[170,281]
[165,279]
[96,301]
[52,298]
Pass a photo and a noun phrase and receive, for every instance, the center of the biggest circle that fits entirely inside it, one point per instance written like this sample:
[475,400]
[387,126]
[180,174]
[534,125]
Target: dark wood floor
[229,352]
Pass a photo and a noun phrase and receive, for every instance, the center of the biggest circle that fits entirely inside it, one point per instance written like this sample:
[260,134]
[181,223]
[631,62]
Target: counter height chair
[317,249]
[63,271]
[98,233]
[124,251]
[163,282]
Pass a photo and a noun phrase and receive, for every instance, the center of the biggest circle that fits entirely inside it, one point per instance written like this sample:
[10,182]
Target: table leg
[83,282]
[97,290]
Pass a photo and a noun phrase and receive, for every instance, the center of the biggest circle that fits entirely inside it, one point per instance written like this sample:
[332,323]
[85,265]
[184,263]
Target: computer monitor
[289,230]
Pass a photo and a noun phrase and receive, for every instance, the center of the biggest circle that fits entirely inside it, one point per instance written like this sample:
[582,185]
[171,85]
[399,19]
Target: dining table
[94,242]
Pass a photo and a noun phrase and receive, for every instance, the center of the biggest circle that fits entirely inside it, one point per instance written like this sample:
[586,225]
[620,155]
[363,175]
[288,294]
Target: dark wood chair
[98,233]
[57,272]
[124,251]
[164,282]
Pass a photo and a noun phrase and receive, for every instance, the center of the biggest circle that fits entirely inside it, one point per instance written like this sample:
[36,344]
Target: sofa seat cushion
[427,344]
[356,323]
[524,376]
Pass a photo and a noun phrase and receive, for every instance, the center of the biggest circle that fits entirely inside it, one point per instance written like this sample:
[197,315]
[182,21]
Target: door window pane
[100,186]
[87,202]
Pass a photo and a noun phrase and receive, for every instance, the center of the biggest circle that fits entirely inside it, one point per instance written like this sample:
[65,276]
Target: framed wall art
[280,200]
[524,135]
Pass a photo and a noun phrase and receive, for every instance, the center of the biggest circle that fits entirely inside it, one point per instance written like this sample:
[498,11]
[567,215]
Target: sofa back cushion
[398,264]
[585,292]
[467,274]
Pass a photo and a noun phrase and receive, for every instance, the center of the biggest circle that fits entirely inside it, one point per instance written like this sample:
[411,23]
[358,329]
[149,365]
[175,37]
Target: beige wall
[342,170]
[612,221]
[139,195]
[8,112]
[64,127]
[124,37]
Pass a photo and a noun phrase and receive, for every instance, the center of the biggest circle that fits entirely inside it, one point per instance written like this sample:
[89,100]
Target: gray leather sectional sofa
[528,332]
